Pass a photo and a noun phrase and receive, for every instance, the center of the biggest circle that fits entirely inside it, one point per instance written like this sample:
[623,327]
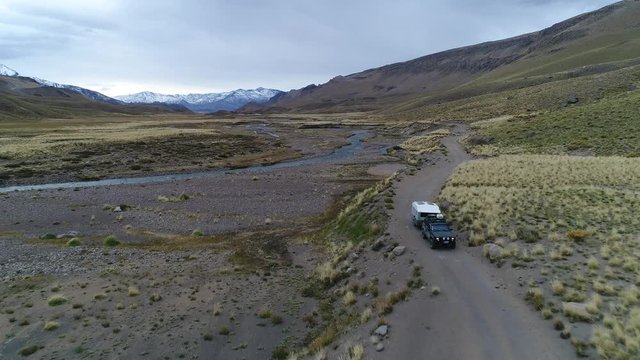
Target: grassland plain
[573,222]
[605,127]
[53,150]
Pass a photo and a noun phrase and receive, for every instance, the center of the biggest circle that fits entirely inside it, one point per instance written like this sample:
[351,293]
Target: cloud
[198,45]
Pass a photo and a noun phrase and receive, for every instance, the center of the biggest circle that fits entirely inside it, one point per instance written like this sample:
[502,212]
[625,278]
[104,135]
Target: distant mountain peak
[209,102]
[7,71]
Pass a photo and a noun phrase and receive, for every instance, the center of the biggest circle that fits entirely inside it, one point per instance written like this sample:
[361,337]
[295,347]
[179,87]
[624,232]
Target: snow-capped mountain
[231,100]
[86,92]
[94,95]
[7,71]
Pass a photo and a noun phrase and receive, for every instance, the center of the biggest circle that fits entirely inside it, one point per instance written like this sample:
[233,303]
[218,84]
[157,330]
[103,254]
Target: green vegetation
[28,350]
[51,325]
[56,300]
[74,242]
[111,241]
[605,127]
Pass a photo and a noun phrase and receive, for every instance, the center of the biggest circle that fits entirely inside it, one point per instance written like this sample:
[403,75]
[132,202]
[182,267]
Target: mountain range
[601,41]
[210,102]
[583,58]
[24,96]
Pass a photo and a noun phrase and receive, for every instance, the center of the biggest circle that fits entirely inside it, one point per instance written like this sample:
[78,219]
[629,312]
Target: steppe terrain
[282,231]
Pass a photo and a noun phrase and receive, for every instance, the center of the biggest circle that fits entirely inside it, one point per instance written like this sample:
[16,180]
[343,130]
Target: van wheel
[433,244]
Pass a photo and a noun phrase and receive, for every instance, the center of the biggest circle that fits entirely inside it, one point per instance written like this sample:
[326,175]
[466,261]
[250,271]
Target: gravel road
[480,313]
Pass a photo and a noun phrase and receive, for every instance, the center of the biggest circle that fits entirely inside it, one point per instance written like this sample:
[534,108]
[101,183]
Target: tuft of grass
[208,336]
[100,296]
[155,298]
[111,241]
[74,242]
[535,296]
[578,235]
[557,287]
[276,319]
[366,315]
[51,325]
[197,233]
[224,330]
[349,298]
[264,313]
[28,350]
[592,263]
[356,352]
[133,291]
[56,300]
[576,312]
[435,290]
[217,309]
[326,337]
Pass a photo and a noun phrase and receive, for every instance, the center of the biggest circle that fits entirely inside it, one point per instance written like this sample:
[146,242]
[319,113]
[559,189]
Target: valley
[281,229]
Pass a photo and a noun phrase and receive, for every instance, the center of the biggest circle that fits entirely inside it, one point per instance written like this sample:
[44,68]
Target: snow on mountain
[7,71]
[94,95]
[231,100]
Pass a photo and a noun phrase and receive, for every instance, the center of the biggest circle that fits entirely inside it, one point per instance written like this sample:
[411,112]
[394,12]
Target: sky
[120,47]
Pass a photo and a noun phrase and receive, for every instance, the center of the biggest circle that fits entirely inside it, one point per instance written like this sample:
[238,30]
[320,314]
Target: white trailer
[421,210]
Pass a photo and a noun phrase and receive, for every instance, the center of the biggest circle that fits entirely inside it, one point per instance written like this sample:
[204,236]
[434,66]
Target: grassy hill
[599,42]
[24,98]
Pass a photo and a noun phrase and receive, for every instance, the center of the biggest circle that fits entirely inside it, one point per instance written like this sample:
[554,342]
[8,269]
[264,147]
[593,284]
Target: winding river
[344,152]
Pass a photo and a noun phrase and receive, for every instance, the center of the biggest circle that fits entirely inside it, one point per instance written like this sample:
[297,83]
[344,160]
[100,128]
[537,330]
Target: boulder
[399,250]
[379,347]
[382,330]
[572,100]
[492,251]
[117,209]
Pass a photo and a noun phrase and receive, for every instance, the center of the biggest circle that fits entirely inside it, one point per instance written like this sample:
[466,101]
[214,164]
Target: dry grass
[425,143]
[133,291]
[349,298]
[582,212]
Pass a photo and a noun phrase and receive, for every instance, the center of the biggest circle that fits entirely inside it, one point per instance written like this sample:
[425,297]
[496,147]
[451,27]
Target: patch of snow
[7,71]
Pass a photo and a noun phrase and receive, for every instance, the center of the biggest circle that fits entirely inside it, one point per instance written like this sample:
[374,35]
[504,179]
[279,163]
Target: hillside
[24,97]
[603,40]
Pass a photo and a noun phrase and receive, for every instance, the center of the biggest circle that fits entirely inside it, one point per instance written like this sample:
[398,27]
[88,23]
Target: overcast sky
[119,47]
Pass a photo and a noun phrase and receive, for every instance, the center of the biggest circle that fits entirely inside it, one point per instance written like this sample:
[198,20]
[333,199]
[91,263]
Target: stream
[344,152]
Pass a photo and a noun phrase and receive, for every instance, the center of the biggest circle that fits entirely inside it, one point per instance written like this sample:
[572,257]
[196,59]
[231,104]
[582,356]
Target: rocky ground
[205,268]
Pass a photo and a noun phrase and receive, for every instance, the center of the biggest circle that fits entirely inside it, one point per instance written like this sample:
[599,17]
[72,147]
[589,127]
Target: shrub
[133,291]
[264,314]
[536,297]
[56,300]
[276,319]
[208,337]
[28,350]
[74,242]
[197,232]
[48,236]
[557,287]
[111,241]
[527,234]
[349,298]
[578,235]
[51,325]
[435,290]
[224,330]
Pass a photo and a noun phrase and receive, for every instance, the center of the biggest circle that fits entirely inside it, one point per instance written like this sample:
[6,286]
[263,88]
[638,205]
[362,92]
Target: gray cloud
[196,45]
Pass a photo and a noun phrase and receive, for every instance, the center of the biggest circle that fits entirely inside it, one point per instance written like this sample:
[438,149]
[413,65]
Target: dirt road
[480,313]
